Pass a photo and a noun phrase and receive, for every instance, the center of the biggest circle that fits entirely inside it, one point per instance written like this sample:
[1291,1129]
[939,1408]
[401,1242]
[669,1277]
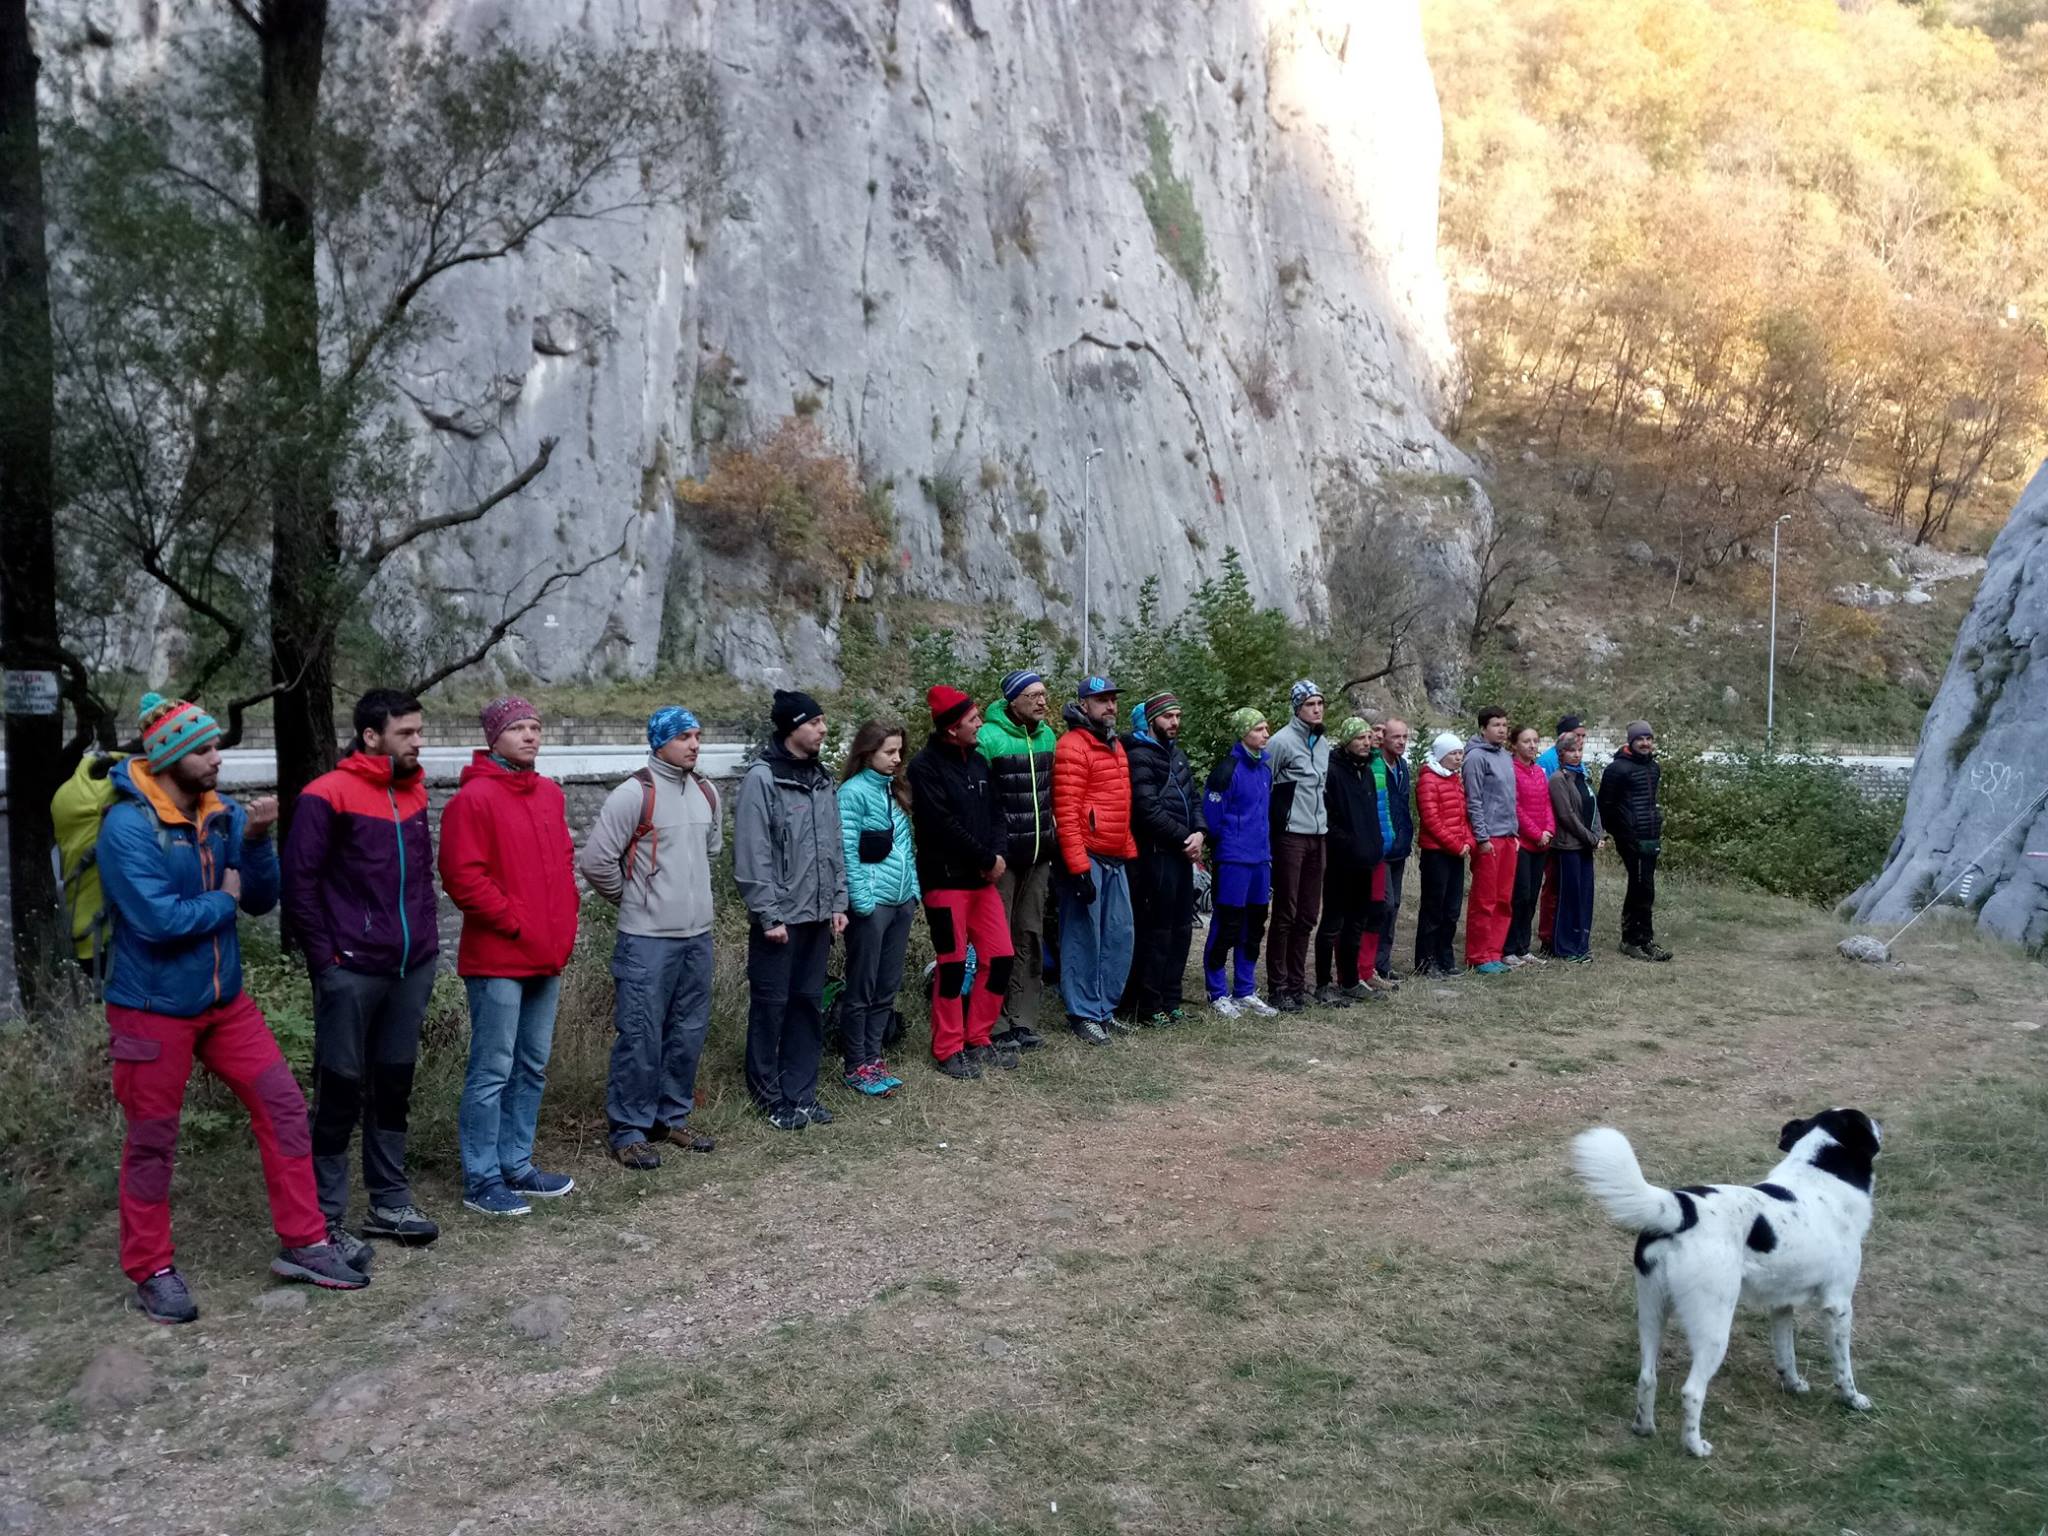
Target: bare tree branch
[503,627]
[383,549]
[247,16]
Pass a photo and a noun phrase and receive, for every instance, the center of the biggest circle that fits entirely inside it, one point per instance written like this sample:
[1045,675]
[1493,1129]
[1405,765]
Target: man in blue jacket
[177,862]
[1398,824]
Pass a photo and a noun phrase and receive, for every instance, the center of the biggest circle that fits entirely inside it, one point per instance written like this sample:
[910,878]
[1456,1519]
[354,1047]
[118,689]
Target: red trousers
[1546,909]
[1490,907]
[1369,946]
[152,1060]
[958,919]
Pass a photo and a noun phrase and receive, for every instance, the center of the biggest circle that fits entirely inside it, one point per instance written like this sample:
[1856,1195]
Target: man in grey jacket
[649,853]
[1490,804]
[1300,756]
[791,873]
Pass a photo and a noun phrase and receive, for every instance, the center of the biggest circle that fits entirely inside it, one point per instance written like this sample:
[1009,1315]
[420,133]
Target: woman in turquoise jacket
[882,893]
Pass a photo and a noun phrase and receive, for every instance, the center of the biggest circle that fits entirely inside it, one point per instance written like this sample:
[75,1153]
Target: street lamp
[1087,531]
[1771,677]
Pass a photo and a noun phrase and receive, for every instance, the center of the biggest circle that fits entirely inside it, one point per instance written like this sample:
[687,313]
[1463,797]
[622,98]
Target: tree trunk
[305,527]
[28,556]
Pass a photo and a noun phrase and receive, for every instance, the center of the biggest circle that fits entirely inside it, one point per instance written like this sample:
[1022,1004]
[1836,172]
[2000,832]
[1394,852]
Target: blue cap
[665,725]
[1095,687]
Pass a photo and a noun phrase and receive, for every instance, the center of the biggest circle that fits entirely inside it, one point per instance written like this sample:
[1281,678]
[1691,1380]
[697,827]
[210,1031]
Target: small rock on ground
[281,1301]
[117,1377]
[366,1485]
[334,1427]
[20,1515]
[995,1348]
[1861,946]
[638,1242]
[544,1319]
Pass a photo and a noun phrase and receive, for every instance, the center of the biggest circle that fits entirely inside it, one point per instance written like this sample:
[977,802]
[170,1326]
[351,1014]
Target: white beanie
[1445,744]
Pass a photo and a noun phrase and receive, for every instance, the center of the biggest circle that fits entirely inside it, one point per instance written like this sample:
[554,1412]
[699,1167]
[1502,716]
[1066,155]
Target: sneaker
[1391,979]
[1227,1007]
[959,1065]
[1635,952]
[1492,968]
[163,1298]
[546,1186]
[495,1201]
[1576,959]
[1288,1002]
[320,1264]
[1122,1026]
[682,1136]
[1357,992]
[889,1080]
[1529,959]
[1177,1015]
[1160,1020]
[1329,995]
[816,1114]
[637,1155]
[1513,962]
[1257,1006]
[406,1225]
[1026,1038]
[868,1078]
[1089,1031]
[788,1119]
[1656,951]
[355,1253]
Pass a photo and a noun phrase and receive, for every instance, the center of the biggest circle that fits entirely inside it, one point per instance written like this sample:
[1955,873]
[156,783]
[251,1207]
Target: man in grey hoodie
[1300,757]
[791,872]
[1489,774]
[649,853]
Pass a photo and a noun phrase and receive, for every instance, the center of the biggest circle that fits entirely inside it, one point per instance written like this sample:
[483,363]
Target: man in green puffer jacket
[1018,743]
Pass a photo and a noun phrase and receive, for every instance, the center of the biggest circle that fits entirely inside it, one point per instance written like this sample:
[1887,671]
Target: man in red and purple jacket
[359,896]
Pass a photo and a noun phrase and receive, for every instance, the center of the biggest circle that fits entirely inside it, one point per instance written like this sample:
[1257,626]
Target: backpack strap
[644,777]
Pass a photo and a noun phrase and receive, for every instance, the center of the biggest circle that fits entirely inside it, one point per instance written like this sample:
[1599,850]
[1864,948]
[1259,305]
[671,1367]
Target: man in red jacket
[508,863]
[1091,812]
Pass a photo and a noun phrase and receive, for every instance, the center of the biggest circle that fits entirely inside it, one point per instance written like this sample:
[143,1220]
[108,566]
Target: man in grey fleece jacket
[1490,803]
[656,868]
[1300,755]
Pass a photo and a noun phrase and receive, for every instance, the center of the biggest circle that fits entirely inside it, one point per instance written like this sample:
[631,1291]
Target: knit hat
[173,727]
[1243,720]
[502,712]
[1159,704]
[791,709]
[1015,683]
[1354,726]
[1445,744]
[947,705]
[1569,723]
[665,725]
[1637,730]
[1095,688]
[1302,692]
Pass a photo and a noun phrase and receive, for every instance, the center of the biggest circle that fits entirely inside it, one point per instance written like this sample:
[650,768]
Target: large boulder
[1979,792]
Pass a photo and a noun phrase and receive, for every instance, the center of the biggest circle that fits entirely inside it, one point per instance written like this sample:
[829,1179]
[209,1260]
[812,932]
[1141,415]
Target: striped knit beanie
[173,727]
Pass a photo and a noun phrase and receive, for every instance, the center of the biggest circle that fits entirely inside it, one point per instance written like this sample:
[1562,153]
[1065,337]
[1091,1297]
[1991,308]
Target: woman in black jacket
[1354,871]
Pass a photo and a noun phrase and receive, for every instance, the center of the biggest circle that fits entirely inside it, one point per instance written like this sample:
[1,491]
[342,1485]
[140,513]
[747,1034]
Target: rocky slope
[933,237]
[1981,777]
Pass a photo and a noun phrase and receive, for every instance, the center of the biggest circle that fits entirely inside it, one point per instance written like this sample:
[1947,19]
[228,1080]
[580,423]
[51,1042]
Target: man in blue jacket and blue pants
[177,862]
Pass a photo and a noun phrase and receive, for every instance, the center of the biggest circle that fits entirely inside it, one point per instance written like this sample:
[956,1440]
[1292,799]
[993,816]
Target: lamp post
[1087,534]
[1771,676]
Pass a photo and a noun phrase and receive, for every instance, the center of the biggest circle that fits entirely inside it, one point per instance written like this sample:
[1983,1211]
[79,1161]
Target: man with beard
[1091,805]
[1166,817]
[359,897]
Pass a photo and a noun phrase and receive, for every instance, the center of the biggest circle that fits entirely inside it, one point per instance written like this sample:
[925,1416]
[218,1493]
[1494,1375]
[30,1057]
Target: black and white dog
[1797,1237]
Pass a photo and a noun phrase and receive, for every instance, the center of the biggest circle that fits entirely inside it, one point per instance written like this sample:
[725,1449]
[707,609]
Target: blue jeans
[511,1032]
[1095,944]
[661,1007]
[1574,932]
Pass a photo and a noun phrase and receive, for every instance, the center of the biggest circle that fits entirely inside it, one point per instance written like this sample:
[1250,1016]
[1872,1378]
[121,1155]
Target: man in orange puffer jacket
[1091,810]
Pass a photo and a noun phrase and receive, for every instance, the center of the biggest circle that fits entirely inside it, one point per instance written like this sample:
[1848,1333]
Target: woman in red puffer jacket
[1446,842]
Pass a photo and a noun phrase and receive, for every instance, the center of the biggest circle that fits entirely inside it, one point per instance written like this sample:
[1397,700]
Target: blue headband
[665,725]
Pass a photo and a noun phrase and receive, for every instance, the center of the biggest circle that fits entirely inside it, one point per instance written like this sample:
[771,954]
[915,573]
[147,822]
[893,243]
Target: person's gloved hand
[1081,887]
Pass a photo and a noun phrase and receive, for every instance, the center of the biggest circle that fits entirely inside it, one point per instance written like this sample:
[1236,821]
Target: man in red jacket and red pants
[508,863]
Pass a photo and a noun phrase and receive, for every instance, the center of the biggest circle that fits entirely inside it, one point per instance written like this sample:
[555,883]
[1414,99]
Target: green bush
[1787,823]
[1170,205]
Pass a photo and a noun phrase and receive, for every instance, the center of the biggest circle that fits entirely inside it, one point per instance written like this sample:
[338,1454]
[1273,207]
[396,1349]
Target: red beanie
[947,705]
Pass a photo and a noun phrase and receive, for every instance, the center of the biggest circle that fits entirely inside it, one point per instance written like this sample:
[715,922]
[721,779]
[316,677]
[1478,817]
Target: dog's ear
[1852,1130]
[1788,1138]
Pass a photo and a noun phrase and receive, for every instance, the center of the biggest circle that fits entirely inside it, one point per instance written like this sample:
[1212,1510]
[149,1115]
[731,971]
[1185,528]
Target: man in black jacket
[1629,810]
[1166,819]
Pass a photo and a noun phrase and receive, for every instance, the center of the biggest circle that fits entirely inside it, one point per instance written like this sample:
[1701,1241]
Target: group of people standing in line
[1027,851]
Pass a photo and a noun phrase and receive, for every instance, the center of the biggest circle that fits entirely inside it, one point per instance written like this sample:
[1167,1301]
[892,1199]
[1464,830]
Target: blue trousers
[511,1034]
[661,1007]
[1574,933]
[1241,897]
[1095,944]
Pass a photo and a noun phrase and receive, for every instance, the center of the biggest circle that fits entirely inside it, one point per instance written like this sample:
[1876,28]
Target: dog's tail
[1607,1166]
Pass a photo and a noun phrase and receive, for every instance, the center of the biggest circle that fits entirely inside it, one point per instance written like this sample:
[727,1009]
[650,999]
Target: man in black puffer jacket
[1018,745]
[1629,810]
[1166,818]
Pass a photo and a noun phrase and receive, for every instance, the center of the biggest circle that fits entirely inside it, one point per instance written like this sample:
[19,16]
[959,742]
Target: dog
[1797,1237]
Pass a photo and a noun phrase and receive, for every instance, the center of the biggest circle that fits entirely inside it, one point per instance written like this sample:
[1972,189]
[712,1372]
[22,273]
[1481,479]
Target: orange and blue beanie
[173,727]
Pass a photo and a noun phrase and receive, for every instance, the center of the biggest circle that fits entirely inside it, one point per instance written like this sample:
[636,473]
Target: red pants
[1546,909]
[1491,905]
[958,919]
[152,1060]
[1369,946]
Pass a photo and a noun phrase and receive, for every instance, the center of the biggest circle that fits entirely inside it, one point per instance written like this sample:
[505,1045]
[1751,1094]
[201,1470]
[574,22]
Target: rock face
[935,239]
[1982,768]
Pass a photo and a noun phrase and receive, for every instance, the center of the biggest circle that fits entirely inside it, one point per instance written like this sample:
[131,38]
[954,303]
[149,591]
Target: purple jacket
[359,871]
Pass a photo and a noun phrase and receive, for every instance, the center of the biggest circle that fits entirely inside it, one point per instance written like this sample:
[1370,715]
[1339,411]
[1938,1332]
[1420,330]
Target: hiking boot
[319,1264]
[1006,1057]
[1330,995]
[1288,1002]
[788,1119]
[1357,992]
[1121,1025]
[163,1298]
[1089,1031]
[355,1253]
[1656,951]
[1257,1006]
[961,1066]
[497,1200]
[1227,1007]
[817,1114]
[406,1225]
[1025,1038]
[637,1155]
[1635,952]
[682,1136]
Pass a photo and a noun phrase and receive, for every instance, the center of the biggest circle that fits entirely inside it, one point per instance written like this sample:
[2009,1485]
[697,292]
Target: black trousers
[1397,871]
[1349,912]
[1436,912]
[1529,866]
[1639,901]
[366,1040]
[785,1025]
[1163,921]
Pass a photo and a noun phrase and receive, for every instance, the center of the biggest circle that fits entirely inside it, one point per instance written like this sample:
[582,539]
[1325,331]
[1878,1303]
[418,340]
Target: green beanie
[1244,721]
[1354,726]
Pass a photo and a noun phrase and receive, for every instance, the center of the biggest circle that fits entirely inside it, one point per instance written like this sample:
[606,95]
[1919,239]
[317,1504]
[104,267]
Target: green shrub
[1170,204]
[1787,823]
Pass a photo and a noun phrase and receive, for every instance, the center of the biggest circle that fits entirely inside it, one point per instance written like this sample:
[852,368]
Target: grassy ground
[1327,1275]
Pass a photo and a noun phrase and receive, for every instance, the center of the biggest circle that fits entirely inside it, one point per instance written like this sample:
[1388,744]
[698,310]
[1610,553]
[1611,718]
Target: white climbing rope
[2032,806]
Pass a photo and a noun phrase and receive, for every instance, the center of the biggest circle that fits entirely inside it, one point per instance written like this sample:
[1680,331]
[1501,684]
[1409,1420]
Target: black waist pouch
[876,844]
